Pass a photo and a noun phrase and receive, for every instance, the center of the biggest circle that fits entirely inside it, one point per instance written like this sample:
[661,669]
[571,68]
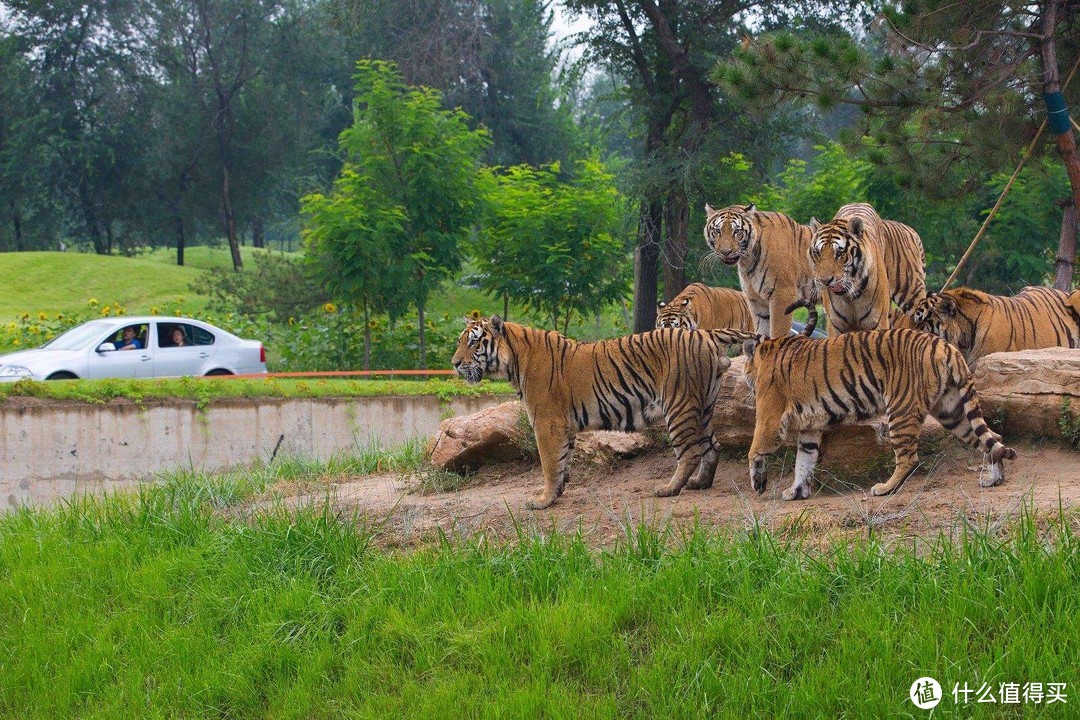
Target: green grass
[206,390]
[164,605]
[55,282]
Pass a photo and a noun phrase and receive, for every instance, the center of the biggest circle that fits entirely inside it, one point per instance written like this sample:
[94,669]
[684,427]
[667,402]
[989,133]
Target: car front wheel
[218,371]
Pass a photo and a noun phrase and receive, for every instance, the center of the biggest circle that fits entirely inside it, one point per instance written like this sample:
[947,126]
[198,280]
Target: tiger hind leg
[692,440]
[706,472]
[805,460]
[555,444]
[958,412]
[904,437]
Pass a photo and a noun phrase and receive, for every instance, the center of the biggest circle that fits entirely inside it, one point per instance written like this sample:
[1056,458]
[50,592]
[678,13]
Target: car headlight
[15,371]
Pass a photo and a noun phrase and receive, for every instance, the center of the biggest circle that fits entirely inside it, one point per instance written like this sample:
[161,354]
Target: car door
[192,358]
[122,363]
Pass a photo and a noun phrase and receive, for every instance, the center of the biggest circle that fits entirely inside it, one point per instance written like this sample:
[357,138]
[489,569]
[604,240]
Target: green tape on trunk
[1057,114]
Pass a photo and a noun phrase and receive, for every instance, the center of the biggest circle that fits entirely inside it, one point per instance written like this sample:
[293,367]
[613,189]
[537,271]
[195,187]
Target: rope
[1008,186]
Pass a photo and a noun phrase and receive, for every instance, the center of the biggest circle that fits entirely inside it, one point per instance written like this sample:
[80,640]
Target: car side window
[200,336]
[171,335]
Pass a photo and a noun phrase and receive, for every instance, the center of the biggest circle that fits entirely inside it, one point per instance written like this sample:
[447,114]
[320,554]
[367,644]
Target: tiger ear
[750,208]
[856,227]
[685,302]
[748,348]
[947,305]
[709,209]
[814,224]
[660,304]
[497,324]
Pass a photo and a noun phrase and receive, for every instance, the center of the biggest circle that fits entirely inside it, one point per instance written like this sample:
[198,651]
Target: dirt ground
[606,496]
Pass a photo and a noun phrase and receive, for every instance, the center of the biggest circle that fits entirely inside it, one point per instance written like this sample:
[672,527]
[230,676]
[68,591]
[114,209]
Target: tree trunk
[228,219]
[92,227]
[258,233]
[16,226]
[423,345]
[367,337]
[1063,264]
[646,261]
[1058,122]
[506,306]
[676,221]
[181,241]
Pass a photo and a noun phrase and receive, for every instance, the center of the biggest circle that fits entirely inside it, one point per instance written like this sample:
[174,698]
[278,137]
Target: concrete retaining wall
[50,450]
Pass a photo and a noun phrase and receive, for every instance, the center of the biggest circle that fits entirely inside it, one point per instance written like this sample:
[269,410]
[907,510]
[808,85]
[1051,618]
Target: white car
[90,351]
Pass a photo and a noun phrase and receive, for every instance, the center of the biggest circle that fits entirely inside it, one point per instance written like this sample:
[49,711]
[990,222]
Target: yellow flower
[42,316]
[475,314]
[119,310]
[16,341]
[93,302]
[59,316]
[292,320]
[25,316]
[329,308]
[105,311]
[34,330]
[154,311]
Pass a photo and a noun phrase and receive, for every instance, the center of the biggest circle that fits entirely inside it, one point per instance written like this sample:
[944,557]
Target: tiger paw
[539,502]
[698,485]
[796,492]
[667,491]
[881,489]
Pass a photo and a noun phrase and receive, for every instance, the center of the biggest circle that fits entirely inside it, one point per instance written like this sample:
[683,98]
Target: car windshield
[80,336]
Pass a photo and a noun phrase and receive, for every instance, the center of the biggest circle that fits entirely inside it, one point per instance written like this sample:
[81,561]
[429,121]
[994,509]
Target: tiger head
[836,256]
[730,233]
[936,314]
[481,350]
[677,314]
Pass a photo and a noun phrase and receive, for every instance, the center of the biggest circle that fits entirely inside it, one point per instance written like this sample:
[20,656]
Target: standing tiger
[700,307]
[803,386]
[770,250]
[865,262]
[568,386]
[980,324]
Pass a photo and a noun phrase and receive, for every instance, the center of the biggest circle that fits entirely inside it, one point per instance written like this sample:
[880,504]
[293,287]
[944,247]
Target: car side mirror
[106,347]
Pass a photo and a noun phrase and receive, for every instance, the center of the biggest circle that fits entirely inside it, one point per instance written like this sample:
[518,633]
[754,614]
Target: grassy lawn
[205,390]
[166,605]
[55,282]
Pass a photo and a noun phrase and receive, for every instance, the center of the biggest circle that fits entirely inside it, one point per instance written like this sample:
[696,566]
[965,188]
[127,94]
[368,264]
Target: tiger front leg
[689,459]
[766,441]
[703,480]
[760,310]
[904,436]
[805,462]
[554,443]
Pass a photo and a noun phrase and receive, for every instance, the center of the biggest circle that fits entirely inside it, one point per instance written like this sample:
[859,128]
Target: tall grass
[159,606]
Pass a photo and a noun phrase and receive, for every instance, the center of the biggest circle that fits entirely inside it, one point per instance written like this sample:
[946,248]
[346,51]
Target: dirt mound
[607,495]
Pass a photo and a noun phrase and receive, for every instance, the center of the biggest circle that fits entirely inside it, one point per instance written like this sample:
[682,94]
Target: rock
[1022,393]
[495,434]
[607,442]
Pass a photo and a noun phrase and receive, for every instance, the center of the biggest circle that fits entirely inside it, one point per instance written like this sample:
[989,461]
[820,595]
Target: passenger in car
[178,339]
[129,341]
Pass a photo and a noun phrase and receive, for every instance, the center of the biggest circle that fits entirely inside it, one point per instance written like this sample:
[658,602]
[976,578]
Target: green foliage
[278,287]
[817,188]
[166,603]
[550,245]
[1069,424]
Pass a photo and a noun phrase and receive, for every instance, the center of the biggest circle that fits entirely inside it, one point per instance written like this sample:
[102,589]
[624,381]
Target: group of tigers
[894,352]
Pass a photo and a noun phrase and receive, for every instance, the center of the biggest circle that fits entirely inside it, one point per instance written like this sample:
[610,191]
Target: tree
[551,246]
[409,188]
[664,51]
[950,91]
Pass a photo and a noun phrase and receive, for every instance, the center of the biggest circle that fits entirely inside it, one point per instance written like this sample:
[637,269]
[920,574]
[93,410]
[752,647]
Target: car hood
[28,358]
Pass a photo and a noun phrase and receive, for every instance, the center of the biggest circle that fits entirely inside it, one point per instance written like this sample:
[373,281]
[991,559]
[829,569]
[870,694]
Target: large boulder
[1024,393]
[495,434]
[502,433]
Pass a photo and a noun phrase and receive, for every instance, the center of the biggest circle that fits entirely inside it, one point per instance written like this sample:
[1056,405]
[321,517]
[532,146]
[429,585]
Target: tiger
[700,307]
[619,384]
[865,262]
[980,324]
[803,386]
[771,251]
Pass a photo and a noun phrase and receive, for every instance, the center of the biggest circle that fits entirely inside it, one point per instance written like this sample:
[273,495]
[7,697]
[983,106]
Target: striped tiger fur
[980,324]
[770,250]
[619,384]
[865,262]
[700,307]
[803,386]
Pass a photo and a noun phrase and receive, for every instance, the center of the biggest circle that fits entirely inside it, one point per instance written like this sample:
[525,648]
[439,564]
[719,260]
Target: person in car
[178,339]
[129,341]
